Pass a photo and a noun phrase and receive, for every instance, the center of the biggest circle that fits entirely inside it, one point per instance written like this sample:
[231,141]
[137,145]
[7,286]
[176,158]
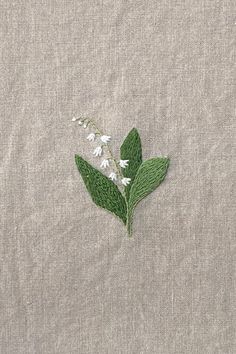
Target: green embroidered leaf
[149,176]
[103,191]
[131,150]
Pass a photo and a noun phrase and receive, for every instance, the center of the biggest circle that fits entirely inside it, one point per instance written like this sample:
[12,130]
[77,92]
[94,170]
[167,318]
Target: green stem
[129,223]
[118,171]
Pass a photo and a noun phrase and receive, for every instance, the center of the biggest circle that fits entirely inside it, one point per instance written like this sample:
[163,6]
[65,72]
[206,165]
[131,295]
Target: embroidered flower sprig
[129,178]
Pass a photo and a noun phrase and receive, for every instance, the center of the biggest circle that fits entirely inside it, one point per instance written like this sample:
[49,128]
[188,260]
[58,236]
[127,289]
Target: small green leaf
[103,191]
[149,176]
[131,150]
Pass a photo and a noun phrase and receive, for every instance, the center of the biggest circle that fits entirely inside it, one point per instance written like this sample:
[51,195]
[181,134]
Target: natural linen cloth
[71,281]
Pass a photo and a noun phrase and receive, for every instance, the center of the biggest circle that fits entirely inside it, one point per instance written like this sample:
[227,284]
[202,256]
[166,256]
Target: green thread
[149,176]
[145,177]
[131,150]
[103,191]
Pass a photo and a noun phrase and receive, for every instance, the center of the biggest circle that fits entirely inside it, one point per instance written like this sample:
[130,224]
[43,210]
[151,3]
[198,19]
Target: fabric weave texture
[70,280]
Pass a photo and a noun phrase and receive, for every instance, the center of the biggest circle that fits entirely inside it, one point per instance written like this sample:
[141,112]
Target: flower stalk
[117,166]
[105,139]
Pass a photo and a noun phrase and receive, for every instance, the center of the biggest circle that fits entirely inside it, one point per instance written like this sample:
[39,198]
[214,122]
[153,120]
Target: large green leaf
[149,176]
[131,150]
[103,191]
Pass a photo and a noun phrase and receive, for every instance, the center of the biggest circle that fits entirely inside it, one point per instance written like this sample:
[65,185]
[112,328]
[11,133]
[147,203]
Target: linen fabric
[71,281]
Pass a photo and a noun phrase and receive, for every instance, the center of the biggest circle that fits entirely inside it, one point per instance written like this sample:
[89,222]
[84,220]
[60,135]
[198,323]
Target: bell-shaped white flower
[91,137]
[113,176]
[105,163]
[85,125]
[105,139]
[125,181]
[74,119]
[98,151]
[123,163]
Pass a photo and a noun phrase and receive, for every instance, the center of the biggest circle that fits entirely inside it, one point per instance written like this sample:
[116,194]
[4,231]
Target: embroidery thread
[129,180]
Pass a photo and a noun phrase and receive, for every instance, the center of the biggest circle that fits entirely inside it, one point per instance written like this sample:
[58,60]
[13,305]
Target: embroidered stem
[138,180]
[118,170]
[129,222]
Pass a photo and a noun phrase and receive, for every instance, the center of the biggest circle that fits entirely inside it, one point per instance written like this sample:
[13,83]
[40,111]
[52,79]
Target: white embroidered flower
[74,119]
[98,151]
[91,137]
[105,163]
[113,176]
[105,139]
[125,181]
[123,163]
[85,125]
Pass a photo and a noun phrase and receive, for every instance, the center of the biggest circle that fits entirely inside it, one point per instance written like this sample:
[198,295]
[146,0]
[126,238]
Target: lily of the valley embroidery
[128,180]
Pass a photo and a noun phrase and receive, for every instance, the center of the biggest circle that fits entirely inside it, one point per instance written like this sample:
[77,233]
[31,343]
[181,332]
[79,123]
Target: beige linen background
[70,279]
